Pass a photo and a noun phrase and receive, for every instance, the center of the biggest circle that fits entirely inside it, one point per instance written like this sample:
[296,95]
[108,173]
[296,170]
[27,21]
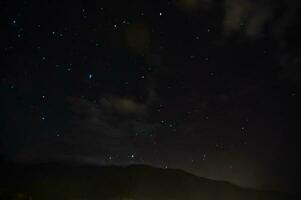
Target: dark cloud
[252,17]
[109,127]
[127,106]
[246,16]
[275,20]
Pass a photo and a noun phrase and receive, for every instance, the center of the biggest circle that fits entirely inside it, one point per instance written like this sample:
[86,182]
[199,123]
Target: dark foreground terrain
[62,182]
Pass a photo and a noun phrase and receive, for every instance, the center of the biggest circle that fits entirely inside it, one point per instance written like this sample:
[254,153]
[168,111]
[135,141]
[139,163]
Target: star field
[205,86]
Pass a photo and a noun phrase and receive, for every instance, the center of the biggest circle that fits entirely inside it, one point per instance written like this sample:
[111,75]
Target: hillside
[64,182]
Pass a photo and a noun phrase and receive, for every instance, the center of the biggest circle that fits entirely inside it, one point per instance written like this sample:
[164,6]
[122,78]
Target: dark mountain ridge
[141,182]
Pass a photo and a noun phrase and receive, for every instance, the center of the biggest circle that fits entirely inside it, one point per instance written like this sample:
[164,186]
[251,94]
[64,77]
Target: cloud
[108,127]
[124,105]
[251,17]
[188,4]
[246,16]
[127,106]
[278,20]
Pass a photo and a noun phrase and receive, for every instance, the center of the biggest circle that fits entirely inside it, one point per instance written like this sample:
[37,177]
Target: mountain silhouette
[137,182]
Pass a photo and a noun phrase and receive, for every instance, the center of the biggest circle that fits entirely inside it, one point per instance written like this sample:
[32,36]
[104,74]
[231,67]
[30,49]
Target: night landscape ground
[138,182]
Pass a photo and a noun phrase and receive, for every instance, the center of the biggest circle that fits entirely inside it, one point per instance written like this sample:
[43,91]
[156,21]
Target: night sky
[208,86]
